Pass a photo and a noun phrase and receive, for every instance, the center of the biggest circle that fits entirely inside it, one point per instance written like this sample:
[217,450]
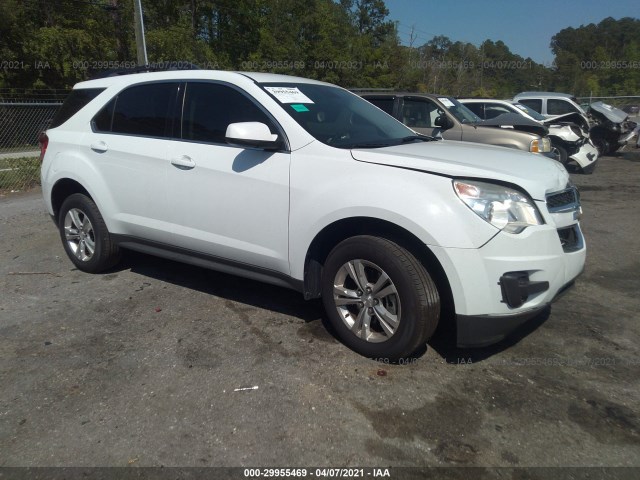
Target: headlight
[540,145]
[504,208]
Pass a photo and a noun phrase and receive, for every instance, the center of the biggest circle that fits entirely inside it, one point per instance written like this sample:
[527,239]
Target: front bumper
[543,257]
[483,330]
[586,157]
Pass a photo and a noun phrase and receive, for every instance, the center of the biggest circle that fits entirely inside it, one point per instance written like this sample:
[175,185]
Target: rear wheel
[85,236]
[379,298]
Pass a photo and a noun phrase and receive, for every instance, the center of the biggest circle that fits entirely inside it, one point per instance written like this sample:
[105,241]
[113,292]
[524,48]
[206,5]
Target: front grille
[564,200]
[570,238]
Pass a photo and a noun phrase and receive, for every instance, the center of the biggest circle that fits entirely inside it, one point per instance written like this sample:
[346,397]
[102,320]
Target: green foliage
[602,59]
[348,42]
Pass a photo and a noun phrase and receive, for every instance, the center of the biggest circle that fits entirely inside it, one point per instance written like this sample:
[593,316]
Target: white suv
[303,184]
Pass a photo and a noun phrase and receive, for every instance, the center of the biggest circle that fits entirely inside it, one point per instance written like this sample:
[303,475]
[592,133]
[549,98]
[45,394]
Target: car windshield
[339,118]
[530,111]
[458,110]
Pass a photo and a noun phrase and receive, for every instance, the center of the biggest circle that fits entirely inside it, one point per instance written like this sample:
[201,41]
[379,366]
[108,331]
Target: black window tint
[384,104]
[476,108]
[493,111]
[145,110]
[559,107]
[73,104]
[102,121]
[209,108]
[533,104]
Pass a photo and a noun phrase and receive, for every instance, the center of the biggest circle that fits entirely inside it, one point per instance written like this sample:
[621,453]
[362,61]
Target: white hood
[537,174]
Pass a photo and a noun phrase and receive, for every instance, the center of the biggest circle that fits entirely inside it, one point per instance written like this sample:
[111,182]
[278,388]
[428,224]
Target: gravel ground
[140,366]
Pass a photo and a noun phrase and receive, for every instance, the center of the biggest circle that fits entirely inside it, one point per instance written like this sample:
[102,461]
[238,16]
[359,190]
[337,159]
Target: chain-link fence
[20,126]
[619,102]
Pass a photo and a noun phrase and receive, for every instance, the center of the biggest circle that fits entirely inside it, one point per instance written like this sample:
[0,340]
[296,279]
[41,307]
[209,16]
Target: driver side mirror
[444,122]
[252,134]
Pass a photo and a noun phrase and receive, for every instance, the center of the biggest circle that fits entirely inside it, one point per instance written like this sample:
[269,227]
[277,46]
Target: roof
[544,94]
[258,77]
[397,94]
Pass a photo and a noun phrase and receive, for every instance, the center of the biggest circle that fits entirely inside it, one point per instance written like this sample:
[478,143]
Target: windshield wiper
[365,145]
[392,142]
[418,136]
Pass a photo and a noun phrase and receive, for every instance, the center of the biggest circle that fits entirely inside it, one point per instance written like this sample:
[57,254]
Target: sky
[526,27]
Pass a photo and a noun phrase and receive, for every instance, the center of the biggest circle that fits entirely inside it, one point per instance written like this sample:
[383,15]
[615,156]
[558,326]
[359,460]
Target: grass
[19,148]
[19,173]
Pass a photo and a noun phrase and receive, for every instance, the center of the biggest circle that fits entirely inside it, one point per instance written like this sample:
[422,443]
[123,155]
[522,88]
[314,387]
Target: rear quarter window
[76,100]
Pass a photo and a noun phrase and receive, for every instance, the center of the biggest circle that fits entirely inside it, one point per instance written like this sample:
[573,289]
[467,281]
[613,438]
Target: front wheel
[602,145]
[379,298]
[563,157]
[85,236]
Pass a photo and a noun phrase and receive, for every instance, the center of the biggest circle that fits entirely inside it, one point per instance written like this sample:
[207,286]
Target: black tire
[105,252]
[602,145]
[416,304]
[563,158]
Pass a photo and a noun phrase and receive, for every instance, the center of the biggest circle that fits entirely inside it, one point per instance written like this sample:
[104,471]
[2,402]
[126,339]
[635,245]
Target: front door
[226,201]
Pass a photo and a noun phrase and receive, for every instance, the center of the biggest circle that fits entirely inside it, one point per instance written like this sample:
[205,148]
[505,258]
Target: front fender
[423,204]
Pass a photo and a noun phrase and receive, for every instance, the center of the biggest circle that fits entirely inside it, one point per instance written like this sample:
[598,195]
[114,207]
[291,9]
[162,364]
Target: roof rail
[150,67]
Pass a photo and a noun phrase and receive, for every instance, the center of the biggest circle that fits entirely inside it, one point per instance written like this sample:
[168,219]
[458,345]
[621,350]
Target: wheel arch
[340,230]
[61,190]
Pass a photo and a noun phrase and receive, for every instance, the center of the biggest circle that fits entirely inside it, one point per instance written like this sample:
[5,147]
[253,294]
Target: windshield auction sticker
[288,94]
[446,102]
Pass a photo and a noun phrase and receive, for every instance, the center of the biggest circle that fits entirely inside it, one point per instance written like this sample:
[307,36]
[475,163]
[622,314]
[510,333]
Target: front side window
[477,108]
[209,108]
[559,107]
[534,104]
[145,110]
[494,110]
[337,117]
[420,113]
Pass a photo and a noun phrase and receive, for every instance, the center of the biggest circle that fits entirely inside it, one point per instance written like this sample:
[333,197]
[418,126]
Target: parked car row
[444,116]
[569,133]
[546,123]
[609,127]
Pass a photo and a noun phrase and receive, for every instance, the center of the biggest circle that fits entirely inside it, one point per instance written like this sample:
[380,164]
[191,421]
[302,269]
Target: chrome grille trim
[563,201]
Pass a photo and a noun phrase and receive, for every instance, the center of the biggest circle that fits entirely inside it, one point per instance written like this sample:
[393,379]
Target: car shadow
[230,287]
[292,303]
[444,341]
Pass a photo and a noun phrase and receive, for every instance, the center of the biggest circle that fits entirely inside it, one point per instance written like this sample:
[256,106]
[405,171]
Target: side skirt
[210,262]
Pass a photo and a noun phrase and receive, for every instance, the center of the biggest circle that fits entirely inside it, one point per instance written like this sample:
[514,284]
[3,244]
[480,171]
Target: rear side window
[533,104]
[384,104]
[76,100]
[209,108]
[145,110]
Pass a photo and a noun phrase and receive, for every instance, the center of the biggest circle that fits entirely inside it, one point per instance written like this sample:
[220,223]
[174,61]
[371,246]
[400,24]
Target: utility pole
[141,46]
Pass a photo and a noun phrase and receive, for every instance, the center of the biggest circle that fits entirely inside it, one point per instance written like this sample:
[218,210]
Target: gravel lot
[140,366]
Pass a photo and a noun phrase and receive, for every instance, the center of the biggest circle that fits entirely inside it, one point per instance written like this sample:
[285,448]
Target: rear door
[130,140]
